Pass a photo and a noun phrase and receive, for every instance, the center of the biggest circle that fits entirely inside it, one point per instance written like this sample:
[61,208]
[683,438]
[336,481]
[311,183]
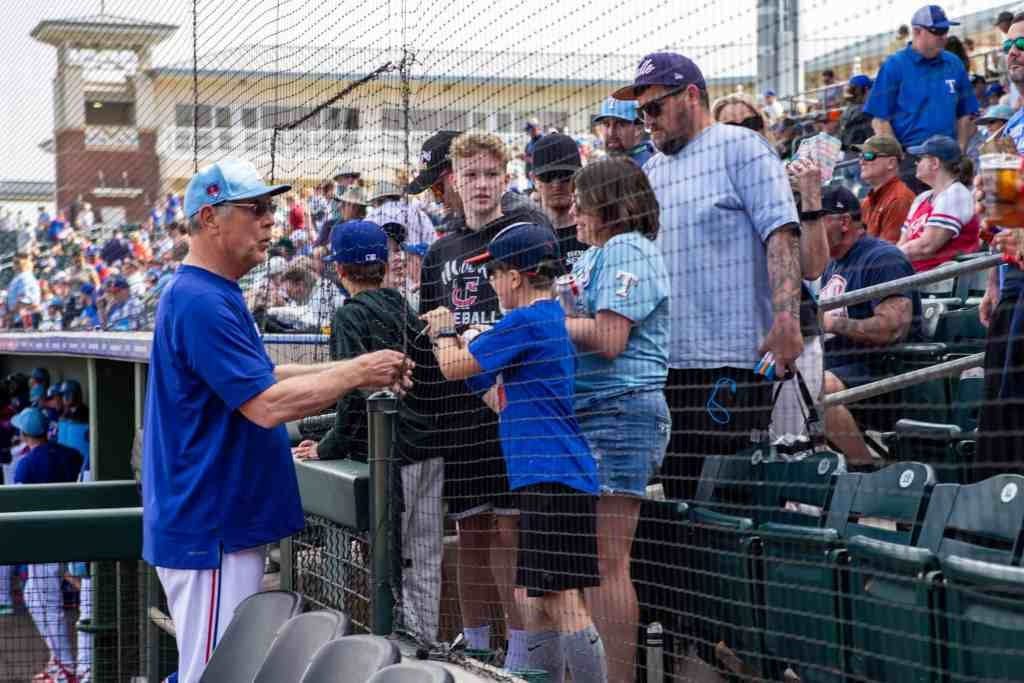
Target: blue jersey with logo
[529,354]
[212,480]
[49,463]
[627,276]
[921,97]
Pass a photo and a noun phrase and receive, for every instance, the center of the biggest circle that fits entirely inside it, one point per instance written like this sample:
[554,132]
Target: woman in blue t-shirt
[620,326]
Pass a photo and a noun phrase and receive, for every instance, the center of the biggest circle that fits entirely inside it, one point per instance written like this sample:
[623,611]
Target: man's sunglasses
[561,175]
[754,123]
[1011,43]
[871,156]
[652,109]
[936,31]
[258,209]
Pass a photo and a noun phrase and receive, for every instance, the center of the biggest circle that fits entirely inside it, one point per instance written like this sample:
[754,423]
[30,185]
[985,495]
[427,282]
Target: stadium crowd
[671,290]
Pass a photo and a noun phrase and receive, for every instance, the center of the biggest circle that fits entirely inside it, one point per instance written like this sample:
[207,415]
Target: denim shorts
[628,435]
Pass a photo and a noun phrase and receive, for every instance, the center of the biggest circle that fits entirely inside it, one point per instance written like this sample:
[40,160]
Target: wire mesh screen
[717,350]
[79,621]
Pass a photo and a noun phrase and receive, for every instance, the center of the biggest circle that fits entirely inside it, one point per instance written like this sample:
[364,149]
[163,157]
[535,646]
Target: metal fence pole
[382,408]
[884,386]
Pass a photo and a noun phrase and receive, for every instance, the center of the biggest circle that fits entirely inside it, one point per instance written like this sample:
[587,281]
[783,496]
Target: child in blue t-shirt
[527,364]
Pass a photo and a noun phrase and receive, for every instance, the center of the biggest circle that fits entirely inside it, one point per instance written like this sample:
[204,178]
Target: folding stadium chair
[352,659]
[297,642]
[967,393]
[961,330]
[802,565]
[894,602]
[413,672]
[984,615]
[248,637]
[935,444]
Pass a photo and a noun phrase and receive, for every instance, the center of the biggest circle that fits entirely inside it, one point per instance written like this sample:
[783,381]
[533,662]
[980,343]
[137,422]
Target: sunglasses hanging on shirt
[754,123]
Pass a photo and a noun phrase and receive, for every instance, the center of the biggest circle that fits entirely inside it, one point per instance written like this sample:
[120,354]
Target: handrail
[71,535]
[884,386]
[885,289]
[92,495]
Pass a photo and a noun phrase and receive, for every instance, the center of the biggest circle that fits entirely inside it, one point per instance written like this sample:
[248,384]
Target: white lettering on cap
[646,67]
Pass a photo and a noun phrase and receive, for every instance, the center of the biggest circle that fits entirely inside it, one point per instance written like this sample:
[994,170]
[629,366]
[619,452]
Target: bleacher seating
[298,641]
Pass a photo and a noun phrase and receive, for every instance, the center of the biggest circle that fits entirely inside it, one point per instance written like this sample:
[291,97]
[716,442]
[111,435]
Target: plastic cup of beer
[1002,182]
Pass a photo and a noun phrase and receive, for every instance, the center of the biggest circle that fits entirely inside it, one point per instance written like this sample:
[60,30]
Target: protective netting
[596,468]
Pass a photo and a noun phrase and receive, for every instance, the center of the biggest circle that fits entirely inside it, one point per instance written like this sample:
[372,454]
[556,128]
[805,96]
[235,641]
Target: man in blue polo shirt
[922,91]
[218,479]
[621,131]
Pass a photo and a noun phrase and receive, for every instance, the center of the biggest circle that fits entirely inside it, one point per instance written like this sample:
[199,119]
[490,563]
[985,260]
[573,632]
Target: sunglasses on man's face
[871,156]
[936,31]
[258,209]
[1011,43]
[754,123]
[652,109]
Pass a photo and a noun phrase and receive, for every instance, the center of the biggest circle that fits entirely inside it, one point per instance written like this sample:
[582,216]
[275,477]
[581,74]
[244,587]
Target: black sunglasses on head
[653,108]
[754,123]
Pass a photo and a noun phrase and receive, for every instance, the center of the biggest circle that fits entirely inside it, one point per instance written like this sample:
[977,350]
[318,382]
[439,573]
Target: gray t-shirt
[721,198]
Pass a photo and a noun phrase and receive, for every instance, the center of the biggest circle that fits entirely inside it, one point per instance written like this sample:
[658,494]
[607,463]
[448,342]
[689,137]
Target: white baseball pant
[46,605]
[422,535]
[6,573]
[85,639]
[202,602]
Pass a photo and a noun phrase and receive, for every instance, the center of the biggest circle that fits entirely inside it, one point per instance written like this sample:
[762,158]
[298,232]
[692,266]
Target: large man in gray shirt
[730,238]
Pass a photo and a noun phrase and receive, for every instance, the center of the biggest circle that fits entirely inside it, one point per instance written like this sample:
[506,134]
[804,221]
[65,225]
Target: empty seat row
[881,576]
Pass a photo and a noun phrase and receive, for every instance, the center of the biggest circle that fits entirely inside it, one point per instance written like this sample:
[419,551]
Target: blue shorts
[628,436]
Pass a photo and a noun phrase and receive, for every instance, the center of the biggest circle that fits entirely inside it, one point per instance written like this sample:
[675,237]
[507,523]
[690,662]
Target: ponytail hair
[962,170]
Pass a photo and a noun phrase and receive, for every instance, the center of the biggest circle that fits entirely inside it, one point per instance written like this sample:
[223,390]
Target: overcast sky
[721,35]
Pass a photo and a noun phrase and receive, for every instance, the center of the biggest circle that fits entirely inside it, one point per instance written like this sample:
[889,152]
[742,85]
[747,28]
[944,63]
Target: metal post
[884,386]
[381,409]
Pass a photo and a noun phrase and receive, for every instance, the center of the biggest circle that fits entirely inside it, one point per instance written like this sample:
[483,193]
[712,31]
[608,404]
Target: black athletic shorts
[709,418]
[557,539]
[475,478]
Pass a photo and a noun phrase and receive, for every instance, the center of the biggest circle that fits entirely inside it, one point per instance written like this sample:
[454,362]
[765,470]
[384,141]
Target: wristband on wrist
[811,215]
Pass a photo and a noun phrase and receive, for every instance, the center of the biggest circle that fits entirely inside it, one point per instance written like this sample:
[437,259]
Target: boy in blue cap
[376,317]
[47,463]
[528,364]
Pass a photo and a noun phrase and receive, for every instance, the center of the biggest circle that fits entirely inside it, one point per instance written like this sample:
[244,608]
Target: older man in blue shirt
[922,90]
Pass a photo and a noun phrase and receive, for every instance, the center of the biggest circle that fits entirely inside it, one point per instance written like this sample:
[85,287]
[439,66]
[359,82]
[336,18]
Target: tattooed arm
[889,325]
[784,274]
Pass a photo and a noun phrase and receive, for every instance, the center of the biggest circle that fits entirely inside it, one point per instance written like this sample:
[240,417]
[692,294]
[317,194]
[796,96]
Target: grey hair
[193,221]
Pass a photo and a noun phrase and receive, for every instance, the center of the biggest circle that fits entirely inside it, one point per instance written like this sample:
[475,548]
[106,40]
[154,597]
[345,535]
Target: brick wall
[78,172]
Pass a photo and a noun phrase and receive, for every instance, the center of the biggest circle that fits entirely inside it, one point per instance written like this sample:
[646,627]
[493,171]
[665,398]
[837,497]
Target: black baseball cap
[556,152]
[837,200]
[435,158]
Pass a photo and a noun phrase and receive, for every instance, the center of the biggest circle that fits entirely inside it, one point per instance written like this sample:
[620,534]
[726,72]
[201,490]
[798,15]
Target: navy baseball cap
[435,158]
[226,181]
[611,108]
[837,199]
[522,246]
[556,152]
[71,389]
[358,242]
[662,68]
[54,391]
[932,16]
[995,89]
[30,422]
[941,146]
[41,375]
[116,282]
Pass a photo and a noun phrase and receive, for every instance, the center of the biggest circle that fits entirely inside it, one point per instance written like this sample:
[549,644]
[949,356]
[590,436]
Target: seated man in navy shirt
[922,91]
[218,479]
[46,463]
[855,335]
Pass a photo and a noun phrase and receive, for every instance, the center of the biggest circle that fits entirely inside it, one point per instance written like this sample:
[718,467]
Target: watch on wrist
[811,215]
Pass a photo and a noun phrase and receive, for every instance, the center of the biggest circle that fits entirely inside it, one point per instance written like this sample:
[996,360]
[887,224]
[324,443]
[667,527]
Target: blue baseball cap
[41,375]
[358,242]
[941,146]
[522,246]
[226,181]
[932,16]
[30,422]
[769,93]
[861,81]
[662,68]
[71,389]
[54,391]
[997,112]
[995,89]
[116,282]
[611,108]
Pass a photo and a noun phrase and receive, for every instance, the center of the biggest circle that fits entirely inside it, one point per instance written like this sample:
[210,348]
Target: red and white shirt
[953,210]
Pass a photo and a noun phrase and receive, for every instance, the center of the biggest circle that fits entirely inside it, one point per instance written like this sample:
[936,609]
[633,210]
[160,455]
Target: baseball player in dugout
[218,477]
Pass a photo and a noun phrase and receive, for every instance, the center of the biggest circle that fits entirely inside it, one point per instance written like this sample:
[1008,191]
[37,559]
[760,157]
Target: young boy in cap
[47,463]
[530,359]
[376,317]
